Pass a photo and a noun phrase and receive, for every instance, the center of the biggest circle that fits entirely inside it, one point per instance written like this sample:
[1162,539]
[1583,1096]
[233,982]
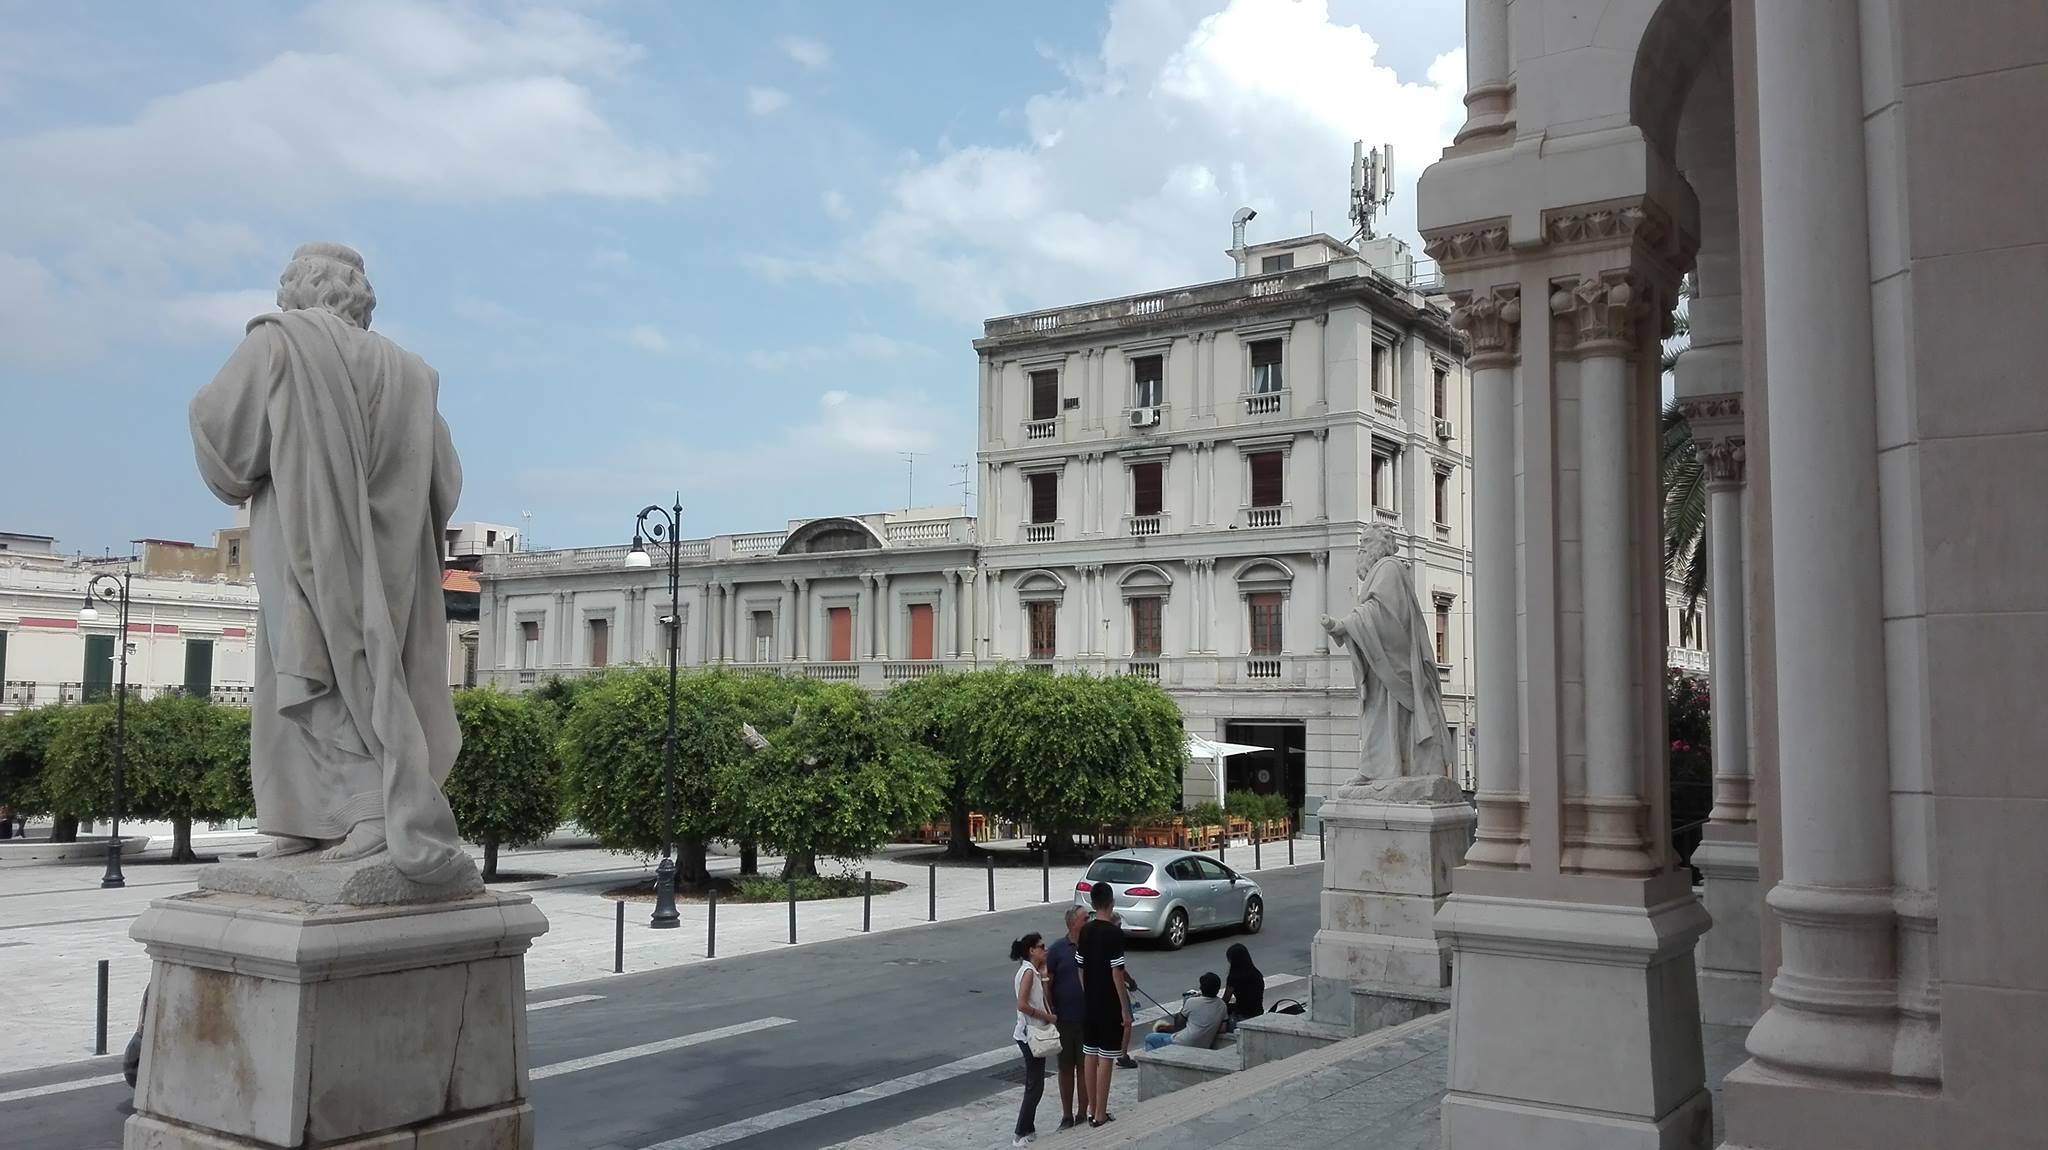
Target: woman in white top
[1030,984]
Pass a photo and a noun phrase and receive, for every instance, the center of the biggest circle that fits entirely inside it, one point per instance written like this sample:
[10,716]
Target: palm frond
[1684,483]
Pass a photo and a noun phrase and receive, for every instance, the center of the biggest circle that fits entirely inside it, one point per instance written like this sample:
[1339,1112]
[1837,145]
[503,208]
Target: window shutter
[1045,497]
[1266,485]
[199,668]
[1147,495]
[1045,394]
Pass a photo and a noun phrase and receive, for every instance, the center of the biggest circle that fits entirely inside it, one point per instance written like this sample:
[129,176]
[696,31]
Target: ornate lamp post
[665,524]
[108,588]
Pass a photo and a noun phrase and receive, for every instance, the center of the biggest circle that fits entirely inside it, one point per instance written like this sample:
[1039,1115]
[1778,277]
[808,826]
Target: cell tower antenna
[1372,187]
[965,483]
[910,481]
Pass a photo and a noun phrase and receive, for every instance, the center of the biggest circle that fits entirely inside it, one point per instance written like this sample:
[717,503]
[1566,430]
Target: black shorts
[1102,1034]
[1070,1044]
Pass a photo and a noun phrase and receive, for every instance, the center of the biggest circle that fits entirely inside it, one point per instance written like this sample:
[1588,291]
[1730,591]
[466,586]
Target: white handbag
[1043,1038]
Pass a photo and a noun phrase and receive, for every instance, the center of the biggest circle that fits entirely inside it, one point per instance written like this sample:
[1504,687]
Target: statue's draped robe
[1403,733]
[332,433]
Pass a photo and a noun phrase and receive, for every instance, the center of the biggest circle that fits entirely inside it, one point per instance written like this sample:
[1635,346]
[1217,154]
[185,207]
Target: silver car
[1165,894]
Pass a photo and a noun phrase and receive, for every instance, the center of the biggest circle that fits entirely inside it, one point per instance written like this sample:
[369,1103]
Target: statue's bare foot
[364,839]
[282,846]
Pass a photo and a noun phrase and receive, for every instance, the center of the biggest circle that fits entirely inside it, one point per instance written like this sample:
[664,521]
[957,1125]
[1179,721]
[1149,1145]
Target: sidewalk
[56,924]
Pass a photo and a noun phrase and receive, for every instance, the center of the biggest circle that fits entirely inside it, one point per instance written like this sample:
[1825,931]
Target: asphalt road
[860,1012]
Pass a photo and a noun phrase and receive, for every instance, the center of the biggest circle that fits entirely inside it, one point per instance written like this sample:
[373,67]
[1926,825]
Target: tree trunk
[960,842]
[63,828]
[690,868]
[750,857]
[181,841]
[800,864]
[490,861]
[1060,844]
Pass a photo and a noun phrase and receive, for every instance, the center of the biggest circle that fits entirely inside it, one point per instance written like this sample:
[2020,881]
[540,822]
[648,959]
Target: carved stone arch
[833,533]
[1263,574]
[1681,38]
[1142,579]
[1040,583]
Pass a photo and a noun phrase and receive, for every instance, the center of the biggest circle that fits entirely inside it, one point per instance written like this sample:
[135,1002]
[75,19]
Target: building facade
[1173,485]
[1847,183]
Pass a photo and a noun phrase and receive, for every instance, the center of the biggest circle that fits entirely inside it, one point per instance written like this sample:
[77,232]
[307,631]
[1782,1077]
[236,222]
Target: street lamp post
[665,524]
[108,588]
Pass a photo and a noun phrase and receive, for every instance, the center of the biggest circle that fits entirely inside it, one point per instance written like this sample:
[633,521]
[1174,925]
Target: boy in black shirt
[1107,1000]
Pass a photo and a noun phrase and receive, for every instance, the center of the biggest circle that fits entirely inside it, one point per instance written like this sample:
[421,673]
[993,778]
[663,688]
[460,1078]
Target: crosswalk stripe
[664,1046]
[572,1000]
[61,1087]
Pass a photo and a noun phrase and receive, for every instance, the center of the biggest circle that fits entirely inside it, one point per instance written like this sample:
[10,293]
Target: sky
[736,251]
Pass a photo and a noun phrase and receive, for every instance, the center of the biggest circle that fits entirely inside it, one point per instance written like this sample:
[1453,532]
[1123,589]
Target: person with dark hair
[1107,1000]
[1029,953]
[1199,1023]
[1069,1003]
[1247,987]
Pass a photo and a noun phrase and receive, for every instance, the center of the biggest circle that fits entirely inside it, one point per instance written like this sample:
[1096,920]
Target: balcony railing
[1041,532]
[1262,668]
[1036,429]
[1266,402]
[22,694]
[1173,672]
[1686,659]
[904,670]
[1142,525]
[1147,669]
[1264,516]
[762,543]
[833,672]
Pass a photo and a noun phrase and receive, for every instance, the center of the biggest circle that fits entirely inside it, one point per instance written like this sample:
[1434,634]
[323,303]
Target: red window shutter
[1147,497]
[1145,638]
[1265,607]
[1266,485]
[1045,497]
[920,630]
[1043,616]
[841,622]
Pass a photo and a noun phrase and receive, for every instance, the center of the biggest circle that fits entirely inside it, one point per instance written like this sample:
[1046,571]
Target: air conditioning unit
[1144,417]
[1443,429]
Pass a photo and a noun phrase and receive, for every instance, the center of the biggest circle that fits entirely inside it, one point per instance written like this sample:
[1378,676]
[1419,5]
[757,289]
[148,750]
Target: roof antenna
[1372,187]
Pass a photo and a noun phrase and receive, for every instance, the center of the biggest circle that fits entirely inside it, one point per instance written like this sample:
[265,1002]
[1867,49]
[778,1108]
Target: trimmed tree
[937,713]
[24,751]
[611,753]
[503,787]
[187,760]
[1071,752]
[836,779]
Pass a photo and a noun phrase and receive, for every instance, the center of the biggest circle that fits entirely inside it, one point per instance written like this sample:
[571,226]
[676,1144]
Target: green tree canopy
[24,751]
[503,787]
[937,713]
[187,760]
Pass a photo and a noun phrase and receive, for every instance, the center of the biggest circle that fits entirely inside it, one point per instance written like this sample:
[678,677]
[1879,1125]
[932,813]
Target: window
[1209,870]
[1147,489]
[529,643]
[1443,497]
[1382,370]
[1265,366]
[1045,496]
[3,656]
[469,661]
[600,642]
[839,626]
[234,552]
[764,636]
[1148,376]
[1383,481]
[1440,390]
[199,668]
[921,631]
[1443,632]
[1265,608]
[1145,629]
[1042,615]
[1267,488]
[1283,262]
[98,675]
[1045,394]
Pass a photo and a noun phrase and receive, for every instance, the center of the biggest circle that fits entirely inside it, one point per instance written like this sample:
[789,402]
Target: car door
[1218,892]
[1185,885]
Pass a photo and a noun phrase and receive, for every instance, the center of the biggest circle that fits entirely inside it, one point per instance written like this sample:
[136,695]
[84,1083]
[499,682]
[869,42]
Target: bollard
[867,901]
[991,882]
[1223,847]
[711,923]
[1045,869]
[792,910]
[99,1034]
[1257,842]
[1290,846]
[932,887]
[1322,847]
[619,939]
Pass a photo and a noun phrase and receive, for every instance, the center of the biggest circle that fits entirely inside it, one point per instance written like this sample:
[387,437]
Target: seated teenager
[1198,1025]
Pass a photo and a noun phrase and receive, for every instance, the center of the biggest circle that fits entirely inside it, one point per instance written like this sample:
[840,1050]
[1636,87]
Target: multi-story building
[1173,485]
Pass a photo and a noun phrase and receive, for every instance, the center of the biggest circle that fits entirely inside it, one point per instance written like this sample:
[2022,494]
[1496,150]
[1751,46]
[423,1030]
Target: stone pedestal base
[1388,870]
[1574,1026]
[1730,955]
[274,1023]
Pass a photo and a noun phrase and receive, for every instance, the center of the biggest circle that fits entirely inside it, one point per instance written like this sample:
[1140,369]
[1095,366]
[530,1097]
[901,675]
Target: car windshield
[1121,872]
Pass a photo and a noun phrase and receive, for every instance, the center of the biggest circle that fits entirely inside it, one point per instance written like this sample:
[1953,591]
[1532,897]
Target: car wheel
[1254,915]
[1176,934]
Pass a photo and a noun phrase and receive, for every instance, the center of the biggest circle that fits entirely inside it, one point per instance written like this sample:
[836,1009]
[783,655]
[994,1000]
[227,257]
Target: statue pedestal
[1377,961]
[274,1022]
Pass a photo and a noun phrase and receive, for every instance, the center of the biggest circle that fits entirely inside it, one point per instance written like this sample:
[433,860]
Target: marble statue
[1405,746]
[331,433]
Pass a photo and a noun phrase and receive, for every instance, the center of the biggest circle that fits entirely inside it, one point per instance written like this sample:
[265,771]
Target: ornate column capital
[1724,459]
[803,582]
[1717,434]
[1493,322]
[1603,309]
[1323,320]
[1321,558]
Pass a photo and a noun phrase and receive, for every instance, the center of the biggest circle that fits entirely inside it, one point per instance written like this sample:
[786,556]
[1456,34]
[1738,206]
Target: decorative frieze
[1467,243]
[1492,321]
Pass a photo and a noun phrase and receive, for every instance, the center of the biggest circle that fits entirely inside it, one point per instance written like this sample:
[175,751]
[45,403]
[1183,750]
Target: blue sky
[739,250]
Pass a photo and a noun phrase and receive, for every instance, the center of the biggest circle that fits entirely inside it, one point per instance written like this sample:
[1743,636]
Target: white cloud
[648,338]
[835,204]
[208,315]
[869,425]
[1127,178]
[871,346]
[812,54]
[766,101]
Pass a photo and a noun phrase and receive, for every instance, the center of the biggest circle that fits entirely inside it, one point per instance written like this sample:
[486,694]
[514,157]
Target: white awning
[1213,753]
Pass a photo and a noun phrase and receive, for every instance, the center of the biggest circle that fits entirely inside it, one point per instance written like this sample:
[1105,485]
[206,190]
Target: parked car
[1166,894]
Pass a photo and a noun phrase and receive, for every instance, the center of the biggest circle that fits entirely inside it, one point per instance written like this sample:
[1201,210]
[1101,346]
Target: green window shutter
[98,675]
[3,656]
[199,668]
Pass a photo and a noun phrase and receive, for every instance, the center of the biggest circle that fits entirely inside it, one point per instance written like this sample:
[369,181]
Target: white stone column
[1489,98]
[864,624]
[785,641]
[803,620]
[1728,649]
[1606,310]
[1322,442]
[885,616]
[1493,322]
[970,644]
[1834,1010]
[946,641]
[1322,599]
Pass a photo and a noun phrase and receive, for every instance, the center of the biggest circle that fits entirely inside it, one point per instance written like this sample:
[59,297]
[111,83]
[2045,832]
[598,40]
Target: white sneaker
[1025,1140]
